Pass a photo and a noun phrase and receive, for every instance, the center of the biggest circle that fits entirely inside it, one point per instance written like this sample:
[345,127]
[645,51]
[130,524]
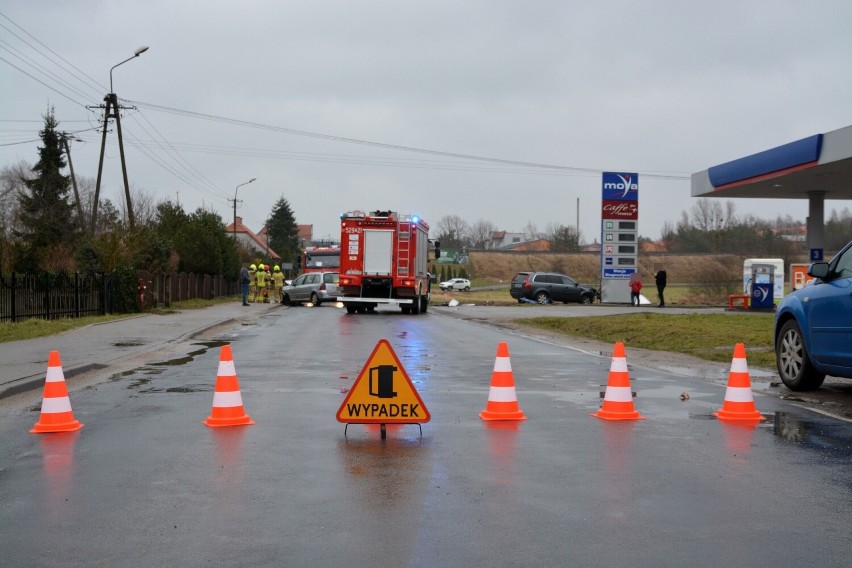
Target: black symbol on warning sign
[385,381]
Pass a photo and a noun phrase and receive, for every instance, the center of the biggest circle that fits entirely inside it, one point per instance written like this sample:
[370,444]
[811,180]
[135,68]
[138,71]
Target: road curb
[32,382]
[35,381]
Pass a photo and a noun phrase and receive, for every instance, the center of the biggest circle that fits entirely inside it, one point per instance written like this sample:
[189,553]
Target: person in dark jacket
[244,284]
[660,279]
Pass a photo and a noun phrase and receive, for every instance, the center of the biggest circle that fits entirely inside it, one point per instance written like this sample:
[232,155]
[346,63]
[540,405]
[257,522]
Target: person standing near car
[660,279]
[635,284]
[244,284]
[261,285]
[277,284]
[252,270]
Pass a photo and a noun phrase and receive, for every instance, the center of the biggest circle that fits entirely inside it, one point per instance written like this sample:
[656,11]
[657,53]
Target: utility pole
[64,137]
[111,102]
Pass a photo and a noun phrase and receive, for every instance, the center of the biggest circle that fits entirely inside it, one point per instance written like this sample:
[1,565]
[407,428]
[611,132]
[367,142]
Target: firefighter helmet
[252,267]
[276,268]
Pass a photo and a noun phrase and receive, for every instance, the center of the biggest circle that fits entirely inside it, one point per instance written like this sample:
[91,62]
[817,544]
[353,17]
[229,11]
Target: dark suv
[547,287]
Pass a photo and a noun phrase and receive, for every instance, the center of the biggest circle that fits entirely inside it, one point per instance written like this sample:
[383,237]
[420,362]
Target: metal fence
[161,289]
[53,296]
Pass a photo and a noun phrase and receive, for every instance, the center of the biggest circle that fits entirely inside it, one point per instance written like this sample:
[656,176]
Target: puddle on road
[812,433]
[160,367]
[129,343]
[175,362]
[138,383]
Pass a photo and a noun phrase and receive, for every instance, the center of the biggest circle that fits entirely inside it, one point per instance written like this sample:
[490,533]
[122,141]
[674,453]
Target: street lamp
[136,53]
[112,103]
[235,207]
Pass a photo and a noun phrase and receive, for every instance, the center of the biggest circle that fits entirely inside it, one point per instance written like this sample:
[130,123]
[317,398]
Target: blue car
[813,326]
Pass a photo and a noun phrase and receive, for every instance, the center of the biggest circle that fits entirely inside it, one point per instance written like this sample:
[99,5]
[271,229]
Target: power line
[98,88]
[180,161]
[4,60]
[39,67]
[285,130]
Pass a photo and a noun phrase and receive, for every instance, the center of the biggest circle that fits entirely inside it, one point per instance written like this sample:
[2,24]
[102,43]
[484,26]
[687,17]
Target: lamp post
[112,102]
[136,53]
[235,207]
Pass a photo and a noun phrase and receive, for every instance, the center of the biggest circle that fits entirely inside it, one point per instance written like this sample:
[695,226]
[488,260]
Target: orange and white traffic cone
[618,398]
[739,402]
[56,413]
[502,398]
[227,401]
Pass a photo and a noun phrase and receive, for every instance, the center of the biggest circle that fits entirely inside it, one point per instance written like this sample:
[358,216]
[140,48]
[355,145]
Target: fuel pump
[762,285]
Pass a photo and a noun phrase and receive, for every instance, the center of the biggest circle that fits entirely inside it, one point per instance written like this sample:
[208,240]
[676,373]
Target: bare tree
[709,215]
[531,231]
[144,206]
[481,234]
[669,235]
[11,184]
[452,231]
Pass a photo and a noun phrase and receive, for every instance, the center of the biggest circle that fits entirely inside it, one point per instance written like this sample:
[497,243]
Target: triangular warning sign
[383,393]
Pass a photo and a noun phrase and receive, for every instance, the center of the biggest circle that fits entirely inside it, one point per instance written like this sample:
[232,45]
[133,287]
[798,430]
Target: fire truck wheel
[351,309]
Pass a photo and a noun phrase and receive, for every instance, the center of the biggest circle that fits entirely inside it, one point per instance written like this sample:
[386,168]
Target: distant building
[251,241]
[306,235]
[795,234]
[505,239]
[594,246]
[538,245]
[653,246]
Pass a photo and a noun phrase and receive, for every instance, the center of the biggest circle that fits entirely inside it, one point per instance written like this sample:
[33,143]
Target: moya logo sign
[620,186]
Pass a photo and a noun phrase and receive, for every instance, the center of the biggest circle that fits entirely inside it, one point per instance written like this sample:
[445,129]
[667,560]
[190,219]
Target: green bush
[124,290]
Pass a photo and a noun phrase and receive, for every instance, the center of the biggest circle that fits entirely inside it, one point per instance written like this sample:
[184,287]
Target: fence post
[76,294]
[102,293]
[14,299]
[46,301]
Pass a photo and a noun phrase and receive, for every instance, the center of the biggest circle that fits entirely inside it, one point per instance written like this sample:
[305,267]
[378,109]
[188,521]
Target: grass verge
[706,336]
[33,328]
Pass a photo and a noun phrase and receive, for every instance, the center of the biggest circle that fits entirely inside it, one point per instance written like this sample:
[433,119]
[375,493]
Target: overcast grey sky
[660,88]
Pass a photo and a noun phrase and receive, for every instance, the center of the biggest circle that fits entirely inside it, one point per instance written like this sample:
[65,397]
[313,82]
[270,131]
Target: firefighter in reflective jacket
[252,283]
[278,287]
[262,292]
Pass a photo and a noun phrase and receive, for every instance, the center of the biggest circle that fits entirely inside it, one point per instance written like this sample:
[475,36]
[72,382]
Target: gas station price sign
[619,234]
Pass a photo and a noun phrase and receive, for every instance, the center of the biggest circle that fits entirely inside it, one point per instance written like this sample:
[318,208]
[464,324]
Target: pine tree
[46,218]
[283,231]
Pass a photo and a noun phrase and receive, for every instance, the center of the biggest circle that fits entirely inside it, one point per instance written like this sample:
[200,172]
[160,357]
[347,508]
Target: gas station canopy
[816,168]
[822,162]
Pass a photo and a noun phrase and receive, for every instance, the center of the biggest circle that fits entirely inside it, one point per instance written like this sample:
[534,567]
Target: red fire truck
[383,260]
[320,259]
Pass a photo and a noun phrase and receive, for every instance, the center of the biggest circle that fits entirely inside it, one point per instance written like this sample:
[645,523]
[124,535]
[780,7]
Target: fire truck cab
[384,260]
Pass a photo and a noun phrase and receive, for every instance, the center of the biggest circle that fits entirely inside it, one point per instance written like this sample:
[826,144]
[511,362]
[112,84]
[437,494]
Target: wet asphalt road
[144,483]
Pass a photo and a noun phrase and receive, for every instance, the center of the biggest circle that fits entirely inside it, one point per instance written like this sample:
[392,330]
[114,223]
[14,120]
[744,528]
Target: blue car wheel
[794,363]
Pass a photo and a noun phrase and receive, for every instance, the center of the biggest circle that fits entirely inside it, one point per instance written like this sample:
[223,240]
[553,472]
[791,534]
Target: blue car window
[843,268]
